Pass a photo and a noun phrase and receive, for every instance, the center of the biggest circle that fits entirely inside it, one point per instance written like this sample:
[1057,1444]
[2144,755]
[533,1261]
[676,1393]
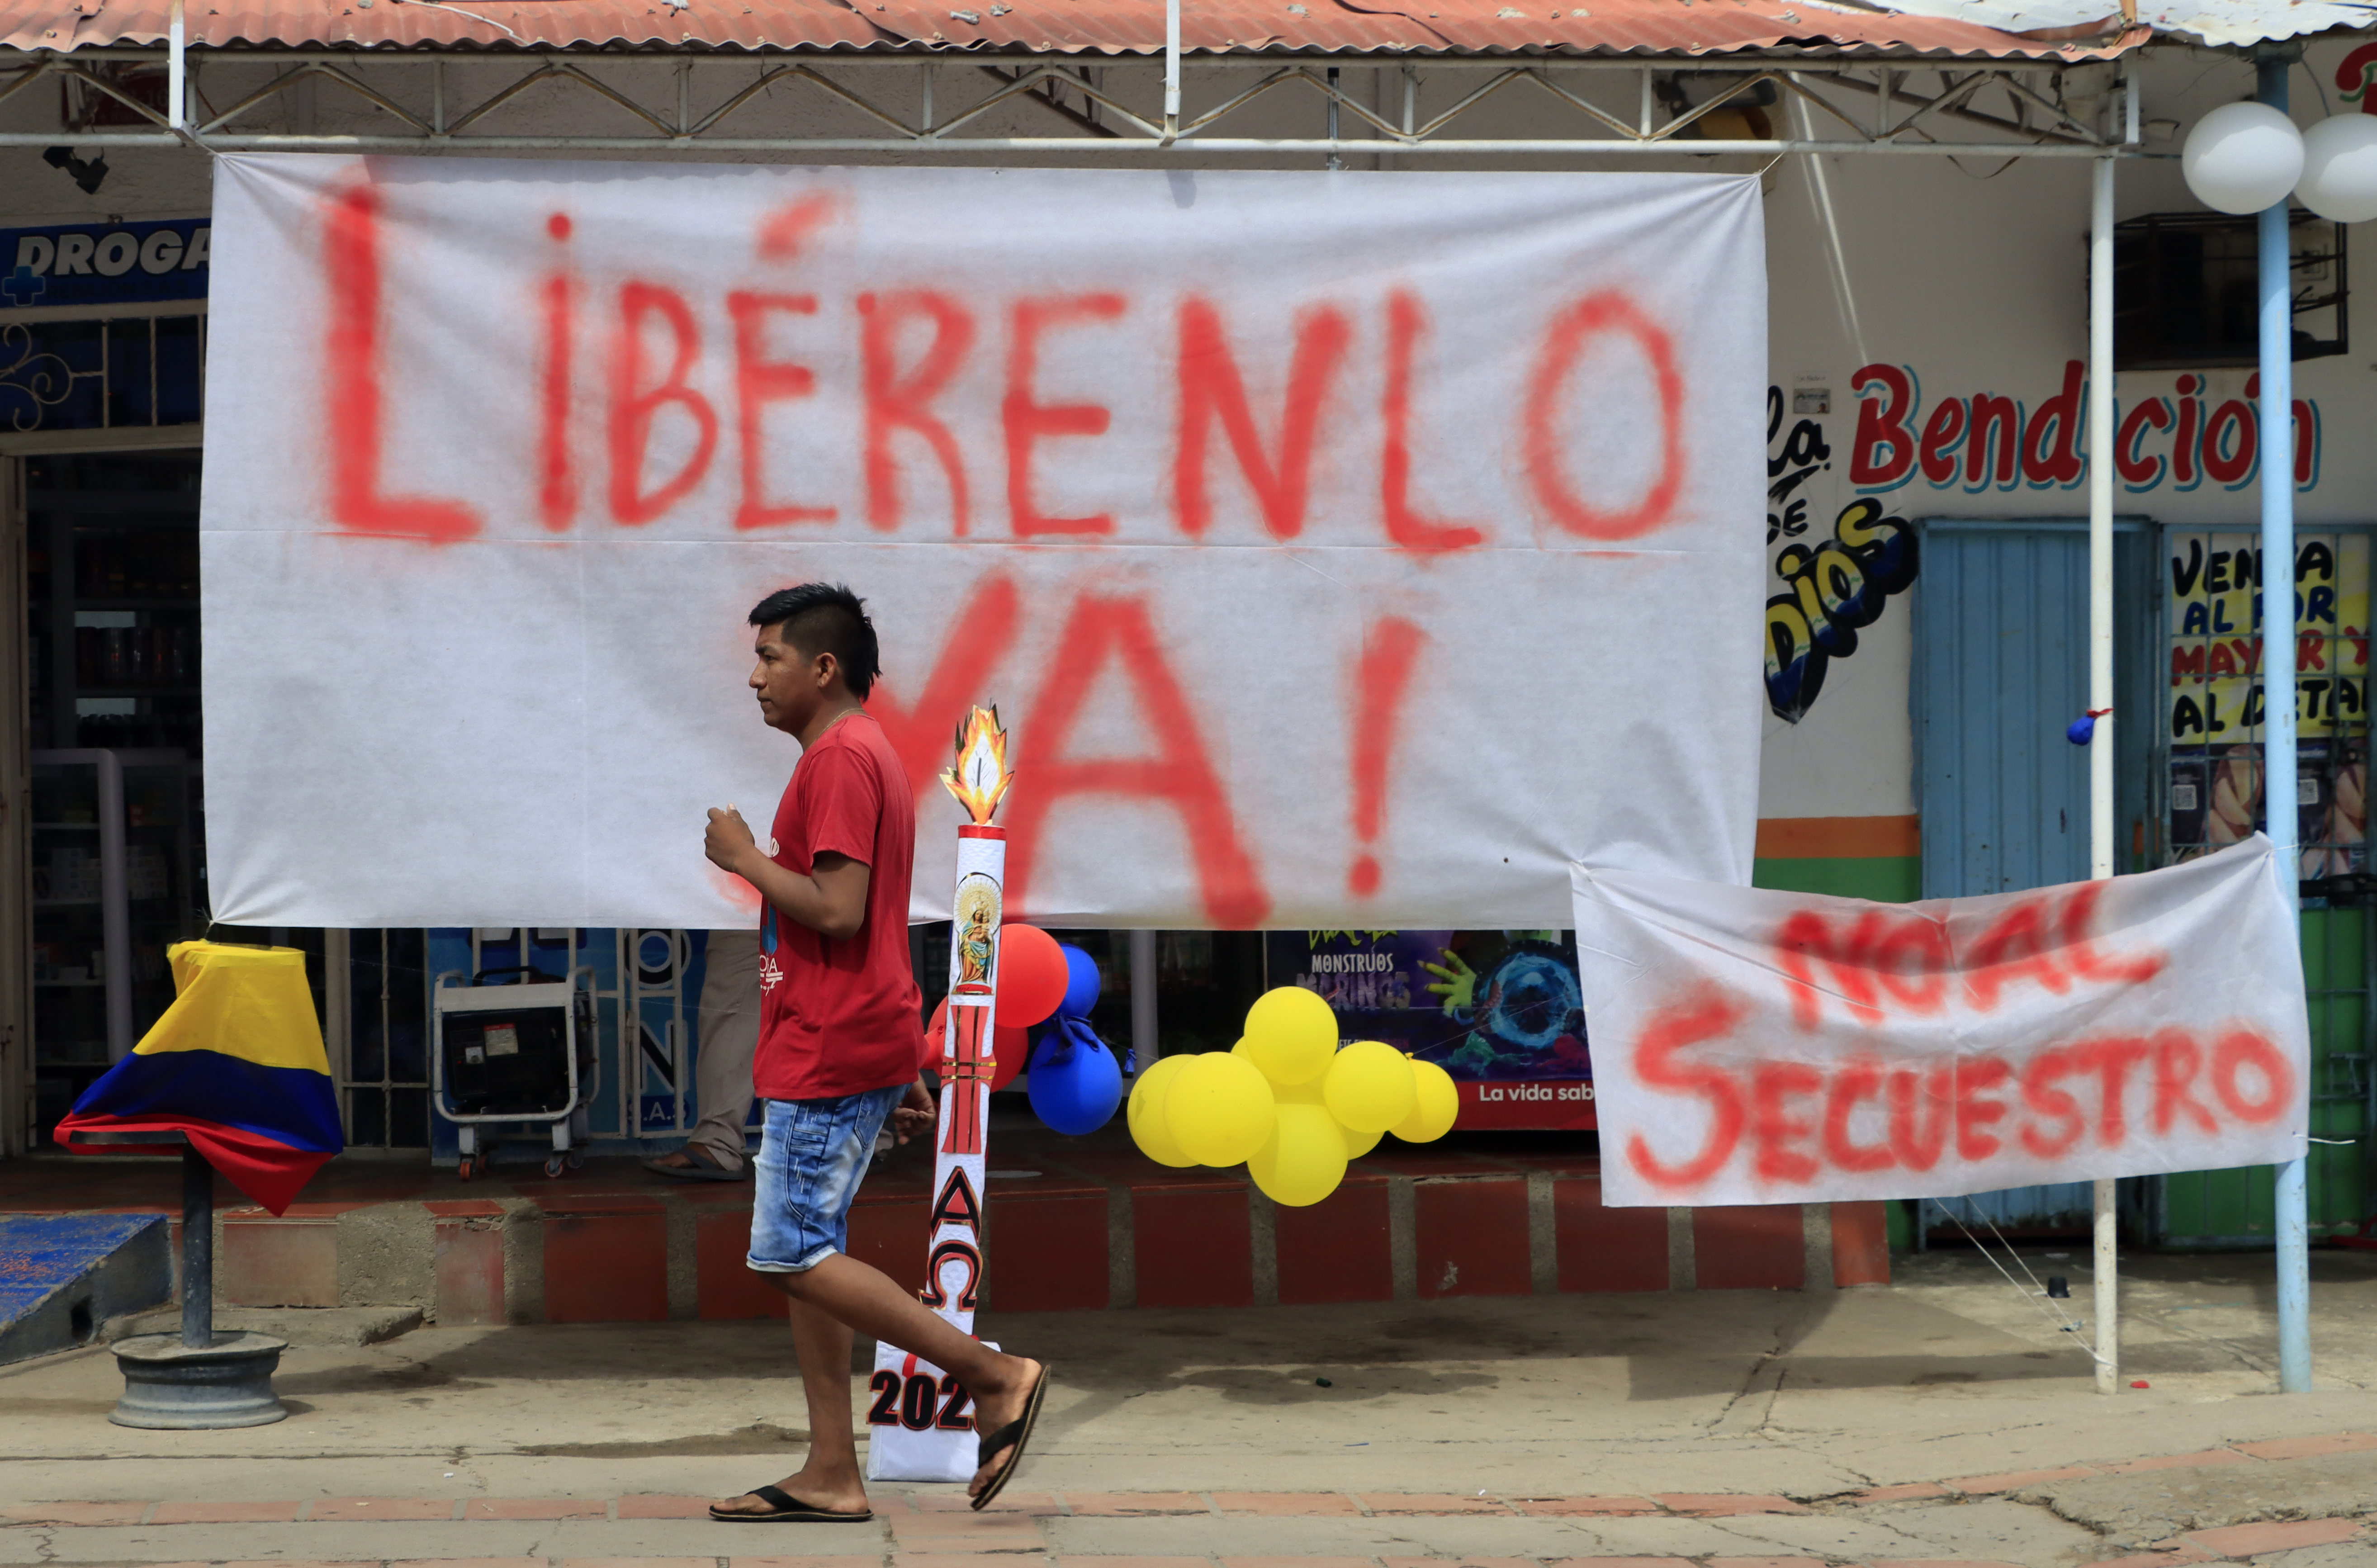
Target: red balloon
[1009,1047]
[1033,976]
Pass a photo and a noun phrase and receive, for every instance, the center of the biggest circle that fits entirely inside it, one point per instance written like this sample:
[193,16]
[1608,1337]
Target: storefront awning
[1710,29]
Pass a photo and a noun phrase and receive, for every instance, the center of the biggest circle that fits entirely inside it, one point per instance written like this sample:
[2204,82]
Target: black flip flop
[789,1510]
[1012,1436]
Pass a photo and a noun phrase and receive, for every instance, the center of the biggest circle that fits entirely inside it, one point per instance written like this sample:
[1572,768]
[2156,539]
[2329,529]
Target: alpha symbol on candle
[1380,680]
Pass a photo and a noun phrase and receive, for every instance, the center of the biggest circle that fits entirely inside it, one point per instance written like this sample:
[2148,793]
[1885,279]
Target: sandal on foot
[785,1508]
[1010,1437]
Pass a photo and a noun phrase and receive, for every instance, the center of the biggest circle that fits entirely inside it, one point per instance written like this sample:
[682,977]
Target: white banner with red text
[1751,1046]
[1339,548]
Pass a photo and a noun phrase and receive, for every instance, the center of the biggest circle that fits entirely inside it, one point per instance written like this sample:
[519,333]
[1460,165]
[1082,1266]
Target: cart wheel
[555,1164]
[576,1158]
[466,1168]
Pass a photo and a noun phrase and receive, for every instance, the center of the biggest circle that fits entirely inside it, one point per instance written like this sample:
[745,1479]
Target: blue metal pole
[2276,416]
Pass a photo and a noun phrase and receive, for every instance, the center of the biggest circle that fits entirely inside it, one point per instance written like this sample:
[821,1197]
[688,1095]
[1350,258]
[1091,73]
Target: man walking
[840,1036]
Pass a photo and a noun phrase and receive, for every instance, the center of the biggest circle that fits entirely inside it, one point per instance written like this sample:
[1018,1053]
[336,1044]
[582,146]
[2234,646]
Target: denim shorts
[812,1153]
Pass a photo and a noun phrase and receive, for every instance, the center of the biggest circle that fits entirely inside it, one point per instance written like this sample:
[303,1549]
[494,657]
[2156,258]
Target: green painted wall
[2230,1206]
[1896,879]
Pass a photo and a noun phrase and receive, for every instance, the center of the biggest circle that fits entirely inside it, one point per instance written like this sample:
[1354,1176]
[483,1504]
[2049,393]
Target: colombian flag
[237,1064]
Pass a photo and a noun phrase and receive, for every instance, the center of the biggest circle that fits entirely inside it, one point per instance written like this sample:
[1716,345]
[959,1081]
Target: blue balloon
[2083,730]
[1076,1083]
[1081,985]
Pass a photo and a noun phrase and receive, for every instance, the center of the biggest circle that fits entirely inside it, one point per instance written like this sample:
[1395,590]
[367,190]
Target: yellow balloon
[1434,1108]
[1369,1086]
[1358,1144]
[1291,1035]
[1219,1109]
[1145,1115]
[1297,1093]
[1240,1049]
[1304,1159]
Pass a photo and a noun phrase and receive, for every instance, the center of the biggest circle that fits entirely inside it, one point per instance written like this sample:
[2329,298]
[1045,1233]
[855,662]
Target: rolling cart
[514,1045]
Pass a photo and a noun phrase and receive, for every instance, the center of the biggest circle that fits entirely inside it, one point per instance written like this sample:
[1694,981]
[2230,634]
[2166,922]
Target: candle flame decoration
[981,774]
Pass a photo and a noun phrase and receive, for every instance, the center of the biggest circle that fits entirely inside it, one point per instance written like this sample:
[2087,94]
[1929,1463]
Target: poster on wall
[2214,796]
[1500,1011]
[1334,544]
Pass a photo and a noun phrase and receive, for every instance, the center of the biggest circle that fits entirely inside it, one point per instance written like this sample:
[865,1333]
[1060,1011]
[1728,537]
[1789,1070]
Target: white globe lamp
[2242,158]
[2339,174]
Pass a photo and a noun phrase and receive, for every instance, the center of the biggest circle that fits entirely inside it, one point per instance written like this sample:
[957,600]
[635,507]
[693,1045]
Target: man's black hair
[826,618]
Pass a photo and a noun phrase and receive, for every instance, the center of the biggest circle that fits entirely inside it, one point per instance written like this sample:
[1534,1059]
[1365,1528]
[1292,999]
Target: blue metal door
[2000,667]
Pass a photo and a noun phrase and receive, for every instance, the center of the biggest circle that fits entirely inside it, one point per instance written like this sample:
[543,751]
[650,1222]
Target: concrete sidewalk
[1947,1418]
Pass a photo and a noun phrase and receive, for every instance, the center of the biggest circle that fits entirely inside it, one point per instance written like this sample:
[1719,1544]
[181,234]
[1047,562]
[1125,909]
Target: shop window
[2186,289]
[2213,709]
[2213,795]
[104,375]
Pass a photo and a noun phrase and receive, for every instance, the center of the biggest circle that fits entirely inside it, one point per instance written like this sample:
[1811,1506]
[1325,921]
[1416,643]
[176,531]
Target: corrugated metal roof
[1699,28]
[2250,21]
[2216,21]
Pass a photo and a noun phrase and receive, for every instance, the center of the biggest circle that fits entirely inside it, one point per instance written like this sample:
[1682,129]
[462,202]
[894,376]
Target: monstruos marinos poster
[1339,548]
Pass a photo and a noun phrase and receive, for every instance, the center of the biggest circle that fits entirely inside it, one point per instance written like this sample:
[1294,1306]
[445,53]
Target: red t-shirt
[842,1017]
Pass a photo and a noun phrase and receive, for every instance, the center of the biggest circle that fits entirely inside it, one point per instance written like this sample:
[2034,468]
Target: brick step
[1092,1228]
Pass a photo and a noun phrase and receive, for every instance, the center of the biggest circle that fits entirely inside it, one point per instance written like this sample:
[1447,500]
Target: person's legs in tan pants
[728,1037]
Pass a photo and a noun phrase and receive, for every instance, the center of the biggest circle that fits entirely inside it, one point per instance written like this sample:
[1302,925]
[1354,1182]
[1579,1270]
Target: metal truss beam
[1592,108]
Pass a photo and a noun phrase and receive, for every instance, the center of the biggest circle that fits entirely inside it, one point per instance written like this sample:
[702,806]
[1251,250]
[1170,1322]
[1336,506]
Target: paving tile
[1940,1562]
[2014,1481]
[468,1563]
[1295,1562]
[1759,1561]
[656,1506]
[968,1558]
[1034,1503]
[1581,1507]
[872,1560]
[1126,1504]
[74,1512]
[959,1502]
[2177,1461]
[1423,1503]
[2252,1540]
[1284,1504]
[963,1520]
[2308,1447]
[967,1532]
[1907,1492]
[364,1509]
[639,1562]
[1143,1563]
[294,1563]
[1460,1563]
[2179,1559]
[223,1514]
[1618,1563]
[535,1508]
[1718,1504]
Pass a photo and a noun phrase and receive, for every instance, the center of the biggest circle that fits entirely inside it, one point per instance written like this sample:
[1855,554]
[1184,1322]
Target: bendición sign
[1985,441]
